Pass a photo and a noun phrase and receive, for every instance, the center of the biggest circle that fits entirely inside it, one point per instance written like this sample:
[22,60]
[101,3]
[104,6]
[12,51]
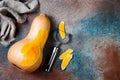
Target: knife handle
[52,58]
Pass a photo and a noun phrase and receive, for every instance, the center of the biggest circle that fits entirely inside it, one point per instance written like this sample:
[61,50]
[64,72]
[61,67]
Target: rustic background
[95,29]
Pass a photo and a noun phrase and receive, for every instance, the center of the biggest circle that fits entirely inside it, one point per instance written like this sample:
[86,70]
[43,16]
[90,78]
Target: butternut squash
[64,54]
[27,54]
[66,58]
[62,29]
[66,61]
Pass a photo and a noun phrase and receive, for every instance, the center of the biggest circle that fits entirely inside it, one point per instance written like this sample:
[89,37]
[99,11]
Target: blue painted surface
[100,25]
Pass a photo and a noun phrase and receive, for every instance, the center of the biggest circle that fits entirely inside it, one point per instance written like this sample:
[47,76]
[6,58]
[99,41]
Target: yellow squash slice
[62,29]
[64,54]
[66,57]
[66,61]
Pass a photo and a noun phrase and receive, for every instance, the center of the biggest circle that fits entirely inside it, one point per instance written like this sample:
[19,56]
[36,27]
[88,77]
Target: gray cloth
[12,11]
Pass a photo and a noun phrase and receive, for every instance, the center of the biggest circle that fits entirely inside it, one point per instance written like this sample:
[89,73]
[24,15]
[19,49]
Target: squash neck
[38,38]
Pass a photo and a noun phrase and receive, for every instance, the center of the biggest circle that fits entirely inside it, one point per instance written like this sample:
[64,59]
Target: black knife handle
[52,58]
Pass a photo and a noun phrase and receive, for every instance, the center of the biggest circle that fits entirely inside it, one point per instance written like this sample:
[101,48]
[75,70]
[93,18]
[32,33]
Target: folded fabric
[12,11]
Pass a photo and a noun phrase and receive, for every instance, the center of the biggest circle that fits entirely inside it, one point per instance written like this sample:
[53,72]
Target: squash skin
[15,56]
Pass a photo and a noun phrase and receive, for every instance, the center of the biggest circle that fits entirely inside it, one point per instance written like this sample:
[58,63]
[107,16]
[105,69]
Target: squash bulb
[27,53]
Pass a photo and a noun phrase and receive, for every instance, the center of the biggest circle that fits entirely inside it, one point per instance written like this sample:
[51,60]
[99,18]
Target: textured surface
[12,12]
[95,29]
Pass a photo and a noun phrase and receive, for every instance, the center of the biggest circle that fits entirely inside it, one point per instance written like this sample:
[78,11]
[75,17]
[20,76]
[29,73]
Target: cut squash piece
[66,61]
[64,54]
[62,30]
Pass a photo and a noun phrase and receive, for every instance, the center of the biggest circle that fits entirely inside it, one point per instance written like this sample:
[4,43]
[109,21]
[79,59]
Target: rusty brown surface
[70,11]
